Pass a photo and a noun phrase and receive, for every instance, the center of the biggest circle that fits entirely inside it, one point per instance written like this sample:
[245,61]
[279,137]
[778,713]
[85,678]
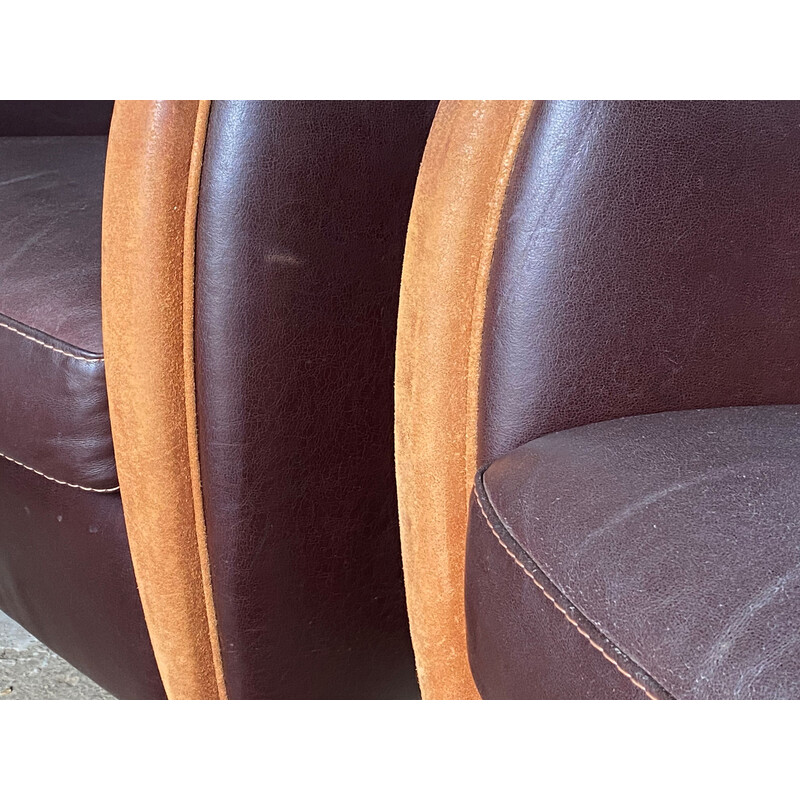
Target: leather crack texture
[623,663]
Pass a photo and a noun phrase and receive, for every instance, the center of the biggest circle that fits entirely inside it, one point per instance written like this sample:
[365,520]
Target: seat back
[648,259]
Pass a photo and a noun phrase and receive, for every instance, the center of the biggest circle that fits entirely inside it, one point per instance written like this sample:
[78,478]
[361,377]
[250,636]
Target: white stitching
[50,347]
[56,480]
[558,607]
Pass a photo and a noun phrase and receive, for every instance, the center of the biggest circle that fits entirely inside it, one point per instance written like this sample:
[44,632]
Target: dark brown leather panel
[66,576]
[54,409]
[51,194]
[55,117]
[677,535]
[53,406]
[521,645]
[647,260]
[301,228]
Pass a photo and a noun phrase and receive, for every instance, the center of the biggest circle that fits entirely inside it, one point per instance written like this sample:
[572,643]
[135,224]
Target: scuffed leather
[51,194]
[53,407]
[675,535]
[521,645]
[301,226]
[646,261]
[65,567]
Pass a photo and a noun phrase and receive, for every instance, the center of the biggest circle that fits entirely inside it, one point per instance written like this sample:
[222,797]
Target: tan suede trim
[152,169]
[190,230]
[451,237]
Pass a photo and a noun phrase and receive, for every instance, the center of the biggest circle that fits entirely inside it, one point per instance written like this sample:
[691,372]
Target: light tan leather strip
[190,230]
[144,220]
[451,238]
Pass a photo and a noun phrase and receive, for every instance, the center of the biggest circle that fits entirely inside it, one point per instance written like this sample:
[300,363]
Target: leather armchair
[197,328]
[596,397]
[609,295]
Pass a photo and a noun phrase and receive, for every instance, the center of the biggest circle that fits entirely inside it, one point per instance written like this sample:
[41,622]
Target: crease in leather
[189,270]
[146,194]
[609,649]
[452,231]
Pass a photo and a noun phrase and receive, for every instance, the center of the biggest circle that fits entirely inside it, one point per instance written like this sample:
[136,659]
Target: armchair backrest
[252,257]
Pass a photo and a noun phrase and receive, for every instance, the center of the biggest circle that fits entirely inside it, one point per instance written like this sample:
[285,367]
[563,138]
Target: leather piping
[189,243]
[611,652]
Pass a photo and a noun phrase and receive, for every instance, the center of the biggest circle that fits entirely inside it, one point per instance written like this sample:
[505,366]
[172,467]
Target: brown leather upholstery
[451,237]
[524,639]
[53,406]
[646,261]
[300,233]
[55,117]
[266,550]
[54,410]
[300,237]
[66,576]
[51,193]
[670,543]
[65,568]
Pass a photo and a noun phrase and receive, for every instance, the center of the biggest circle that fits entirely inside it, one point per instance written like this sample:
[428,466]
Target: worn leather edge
[144,225]
[636,674]
[189,271]
[452,231]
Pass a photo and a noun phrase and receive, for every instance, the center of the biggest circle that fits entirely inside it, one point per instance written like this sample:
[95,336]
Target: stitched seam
[563,611]
[56,480]
[94,360]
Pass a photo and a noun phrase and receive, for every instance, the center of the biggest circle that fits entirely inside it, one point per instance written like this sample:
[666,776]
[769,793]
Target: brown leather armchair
[600,315]
[596,397]
[197,327]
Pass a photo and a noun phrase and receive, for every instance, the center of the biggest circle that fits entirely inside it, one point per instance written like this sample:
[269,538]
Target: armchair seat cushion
[654,555]
[53,408]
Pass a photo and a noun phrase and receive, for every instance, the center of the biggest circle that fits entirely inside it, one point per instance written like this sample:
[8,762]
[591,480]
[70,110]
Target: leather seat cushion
[53,408]
[667,543]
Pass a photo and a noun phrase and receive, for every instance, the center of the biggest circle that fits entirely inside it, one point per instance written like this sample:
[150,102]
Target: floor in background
[30,671]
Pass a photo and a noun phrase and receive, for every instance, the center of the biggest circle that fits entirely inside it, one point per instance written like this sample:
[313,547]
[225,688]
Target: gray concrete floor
[31,671]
